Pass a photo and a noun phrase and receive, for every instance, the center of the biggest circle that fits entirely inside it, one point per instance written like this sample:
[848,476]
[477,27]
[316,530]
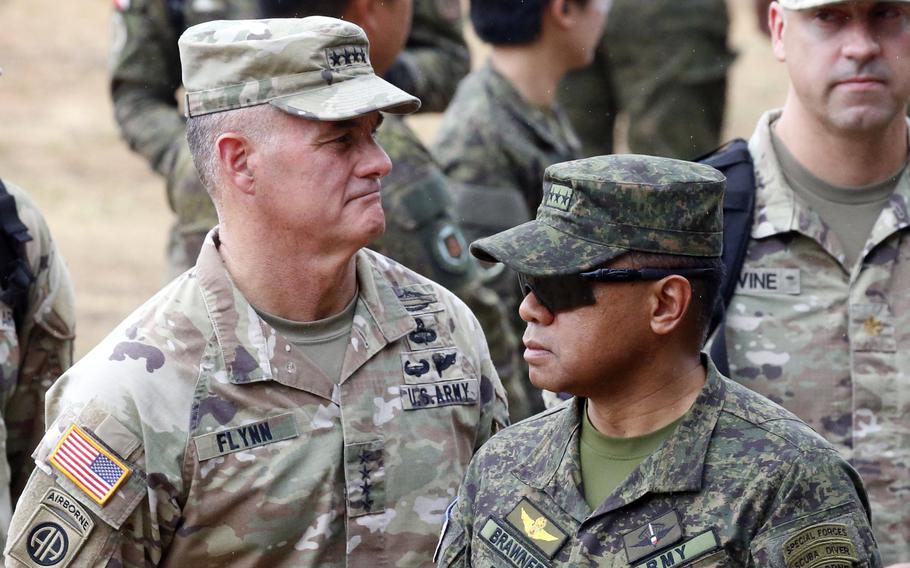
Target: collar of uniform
[239,330]
[896,215]
[554,465]
[678,465]
[502,91]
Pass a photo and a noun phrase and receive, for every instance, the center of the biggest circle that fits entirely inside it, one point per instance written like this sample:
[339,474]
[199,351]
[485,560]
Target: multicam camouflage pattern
[32,357]
[739,478]
[663,64]
[146,73]
[830,345]
[363,471]
[314,67]
[597,209]
[436,57]
[422,234]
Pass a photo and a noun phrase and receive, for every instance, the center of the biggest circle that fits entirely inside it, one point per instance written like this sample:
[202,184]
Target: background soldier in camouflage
[214,425]
[504,128]
[659,461]
[35,351]
[818,322]
[664,64]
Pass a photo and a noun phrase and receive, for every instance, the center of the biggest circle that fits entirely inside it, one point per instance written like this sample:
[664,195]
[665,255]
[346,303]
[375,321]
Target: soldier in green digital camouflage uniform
[659,460]
[421,232]
[294,399]
[819,318]
[36,346]
[664,64]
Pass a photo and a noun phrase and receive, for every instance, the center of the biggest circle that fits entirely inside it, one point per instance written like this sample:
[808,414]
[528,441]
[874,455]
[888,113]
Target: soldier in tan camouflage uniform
[664,64]
[36,346]
[295,399]
[660,461]
[820,316]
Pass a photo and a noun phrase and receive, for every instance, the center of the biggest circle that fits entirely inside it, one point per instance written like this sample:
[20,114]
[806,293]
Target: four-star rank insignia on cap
[95,470]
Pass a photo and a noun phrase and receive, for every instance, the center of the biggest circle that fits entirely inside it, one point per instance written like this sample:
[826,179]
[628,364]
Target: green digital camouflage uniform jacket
[662,62]
[32,357]
[741,482]
[239,451]
[146,73]
[827,341]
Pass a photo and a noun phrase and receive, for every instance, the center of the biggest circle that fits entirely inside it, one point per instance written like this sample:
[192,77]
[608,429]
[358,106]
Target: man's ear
[776,24]
[362,13]
[234,152]
[670,301]
[560,13]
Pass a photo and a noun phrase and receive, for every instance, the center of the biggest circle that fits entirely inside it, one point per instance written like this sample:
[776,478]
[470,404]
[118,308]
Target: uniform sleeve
[145,75]
[436,56]
[454,548]
[819,517]
[495,409]
[46,343]
[117,514]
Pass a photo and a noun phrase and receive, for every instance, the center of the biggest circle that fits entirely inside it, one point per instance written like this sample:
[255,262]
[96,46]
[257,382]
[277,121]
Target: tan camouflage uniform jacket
[32,357]
[241,452]
[740,483]
[831,342]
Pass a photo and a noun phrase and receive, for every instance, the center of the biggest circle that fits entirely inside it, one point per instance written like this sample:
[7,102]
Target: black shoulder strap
[15,274]
[735,162]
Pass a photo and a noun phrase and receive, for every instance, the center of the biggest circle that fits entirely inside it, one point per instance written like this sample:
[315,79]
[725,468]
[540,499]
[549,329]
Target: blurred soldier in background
[664,64]
[421,232]
[819,318]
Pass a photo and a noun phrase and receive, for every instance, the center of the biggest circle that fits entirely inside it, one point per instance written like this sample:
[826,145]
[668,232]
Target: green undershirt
[324,341]
[606,461]
[851,212]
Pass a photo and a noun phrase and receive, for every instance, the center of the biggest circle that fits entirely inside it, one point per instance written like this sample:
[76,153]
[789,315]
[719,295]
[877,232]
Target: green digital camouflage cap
[806,4]
[597,209]
[318,68]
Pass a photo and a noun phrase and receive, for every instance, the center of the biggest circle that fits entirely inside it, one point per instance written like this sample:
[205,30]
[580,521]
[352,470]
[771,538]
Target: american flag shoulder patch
[94,469]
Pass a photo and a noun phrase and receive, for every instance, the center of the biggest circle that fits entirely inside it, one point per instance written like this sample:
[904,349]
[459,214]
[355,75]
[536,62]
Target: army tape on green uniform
[683,552]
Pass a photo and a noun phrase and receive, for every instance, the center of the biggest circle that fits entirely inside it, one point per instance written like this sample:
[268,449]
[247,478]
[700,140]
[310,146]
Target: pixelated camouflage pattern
[364,483]
[146,74]
[315,67]
[597,209]
[436,56]
[737,465]
[806,4]
[32,357]
[417,199]
[662,63]
[836,353]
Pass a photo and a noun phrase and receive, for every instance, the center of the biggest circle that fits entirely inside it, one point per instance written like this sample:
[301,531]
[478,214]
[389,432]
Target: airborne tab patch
[94,469]
[246,437]
[559,197]
[539,529]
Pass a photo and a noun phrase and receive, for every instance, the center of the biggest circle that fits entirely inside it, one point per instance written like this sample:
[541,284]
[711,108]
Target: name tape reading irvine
[769,281]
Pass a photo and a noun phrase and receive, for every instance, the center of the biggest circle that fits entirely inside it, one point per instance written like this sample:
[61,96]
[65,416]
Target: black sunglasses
[558,293]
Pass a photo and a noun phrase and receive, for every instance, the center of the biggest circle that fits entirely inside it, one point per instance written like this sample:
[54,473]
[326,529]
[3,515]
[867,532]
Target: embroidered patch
[433,395]
[684,552]
[432,366]
[417,301]
[55,532]
[248,436]
[510,548]
[769,281]
[649,538]
[345,55]
[365,478]
[90,466]
[825,543]
[539,529]
[559,197]
[451,248]
[423,335]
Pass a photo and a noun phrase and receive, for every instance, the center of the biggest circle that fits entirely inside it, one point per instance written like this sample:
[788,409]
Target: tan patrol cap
[806,4]
[317,67]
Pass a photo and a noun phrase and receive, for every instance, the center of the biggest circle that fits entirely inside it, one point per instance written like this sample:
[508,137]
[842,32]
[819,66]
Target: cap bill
[349,98]
[538,249]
